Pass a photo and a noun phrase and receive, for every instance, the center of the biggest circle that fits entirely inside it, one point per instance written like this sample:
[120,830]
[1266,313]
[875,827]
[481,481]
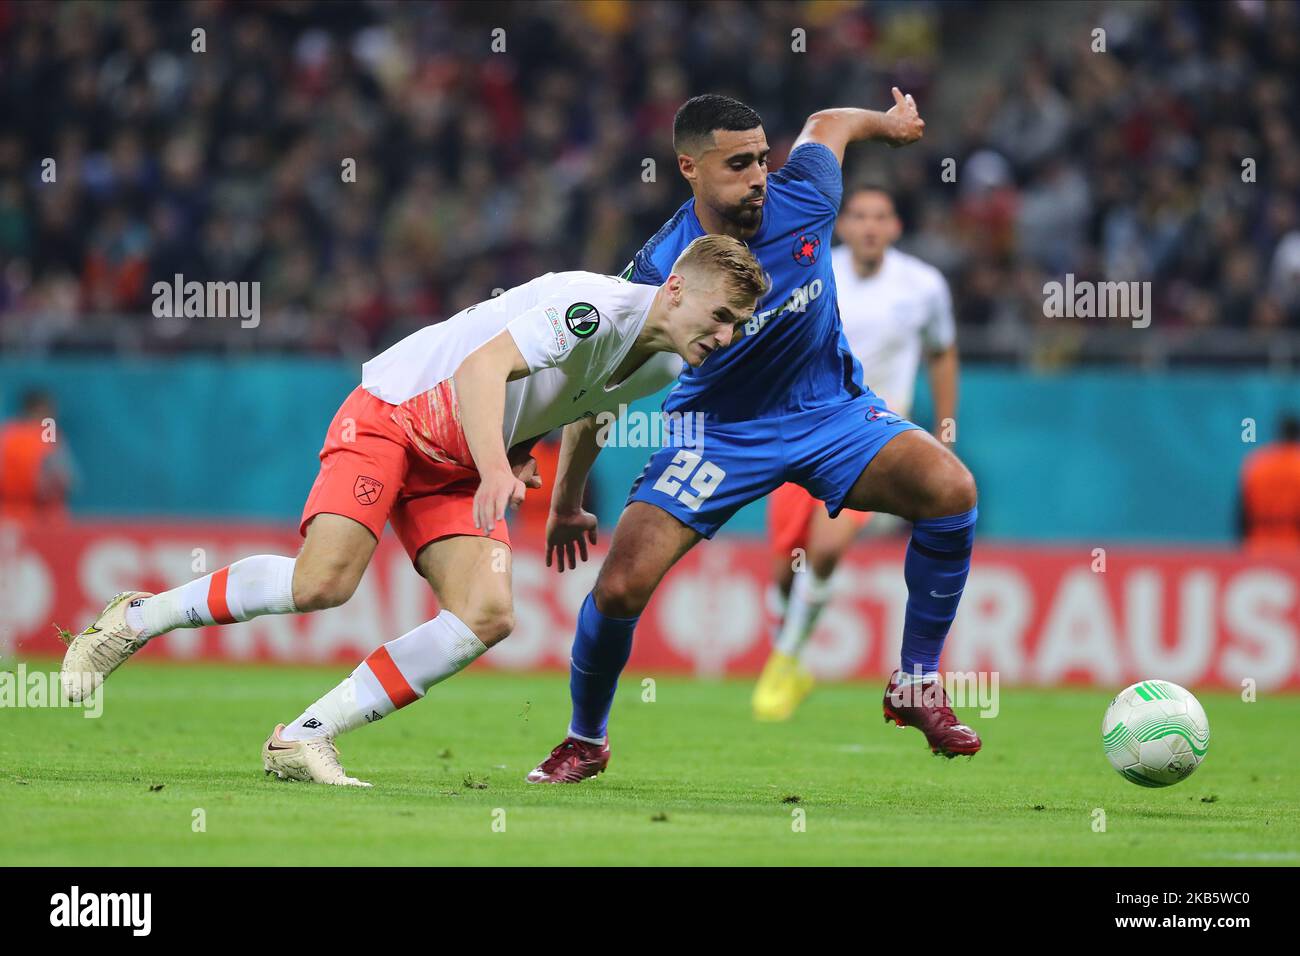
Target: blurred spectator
[35,467]
[1270,493]
[475,169]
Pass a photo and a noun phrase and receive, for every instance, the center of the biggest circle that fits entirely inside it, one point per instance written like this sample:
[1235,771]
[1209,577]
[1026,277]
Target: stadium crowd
[1172,157]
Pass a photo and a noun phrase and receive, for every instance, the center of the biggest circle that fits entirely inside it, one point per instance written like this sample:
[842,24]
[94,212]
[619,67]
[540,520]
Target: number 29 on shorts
[701,477]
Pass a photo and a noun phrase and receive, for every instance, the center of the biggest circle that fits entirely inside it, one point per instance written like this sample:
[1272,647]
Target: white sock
[394,675]
[808,596]
[902,677]
[776,601]
[262,584]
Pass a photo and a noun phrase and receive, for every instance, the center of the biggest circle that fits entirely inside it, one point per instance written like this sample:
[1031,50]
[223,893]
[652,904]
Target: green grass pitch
[693,780]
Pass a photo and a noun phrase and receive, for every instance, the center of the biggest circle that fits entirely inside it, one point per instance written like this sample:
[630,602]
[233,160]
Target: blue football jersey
[793,355]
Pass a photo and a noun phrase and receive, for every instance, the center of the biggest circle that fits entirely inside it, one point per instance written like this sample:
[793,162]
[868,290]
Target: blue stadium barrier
[1075,456]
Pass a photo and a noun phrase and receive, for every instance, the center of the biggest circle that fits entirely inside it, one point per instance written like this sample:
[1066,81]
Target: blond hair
[744,277]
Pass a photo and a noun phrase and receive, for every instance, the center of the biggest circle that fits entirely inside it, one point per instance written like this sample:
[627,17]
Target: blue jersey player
[785,401]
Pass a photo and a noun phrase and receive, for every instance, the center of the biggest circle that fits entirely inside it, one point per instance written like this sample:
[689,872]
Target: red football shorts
[789,515]
[372,472]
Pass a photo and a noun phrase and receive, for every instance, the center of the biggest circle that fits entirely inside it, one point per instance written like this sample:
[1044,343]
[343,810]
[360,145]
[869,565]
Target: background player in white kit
[435,441]
[894,308]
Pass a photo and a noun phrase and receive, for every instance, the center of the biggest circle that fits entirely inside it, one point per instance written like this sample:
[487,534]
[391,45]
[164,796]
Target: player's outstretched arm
[836,128]
[569,527]
[481,394]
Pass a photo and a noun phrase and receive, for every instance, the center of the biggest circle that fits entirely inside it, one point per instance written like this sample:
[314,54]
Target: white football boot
[315,760]
[101,648]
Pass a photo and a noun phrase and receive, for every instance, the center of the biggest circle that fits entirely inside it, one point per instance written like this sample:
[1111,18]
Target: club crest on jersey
[582,319]
[807,246]
[367,490]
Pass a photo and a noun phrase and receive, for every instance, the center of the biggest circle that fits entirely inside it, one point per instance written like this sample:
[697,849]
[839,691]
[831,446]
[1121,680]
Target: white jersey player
[895,309]
[572,331]
[892,315]
[434,441]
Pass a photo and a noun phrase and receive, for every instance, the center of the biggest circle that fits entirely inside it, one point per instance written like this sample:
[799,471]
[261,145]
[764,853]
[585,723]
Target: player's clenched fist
[564,533]
[906,125]
[497,491]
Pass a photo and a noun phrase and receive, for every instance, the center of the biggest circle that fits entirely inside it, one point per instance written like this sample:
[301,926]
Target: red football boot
[926,707]
[571,762]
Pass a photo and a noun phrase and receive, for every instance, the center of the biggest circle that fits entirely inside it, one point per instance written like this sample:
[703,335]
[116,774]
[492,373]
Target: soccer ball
[1155,733]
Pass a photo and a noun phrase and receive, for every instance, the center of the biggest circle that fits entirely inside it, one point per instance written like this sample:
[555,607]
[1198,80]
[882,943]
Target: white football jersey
[890,317]
[573,329]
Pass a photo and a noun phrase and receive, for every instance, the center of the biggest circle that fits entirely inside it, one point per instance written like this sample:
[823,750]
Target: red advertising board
[1036,615]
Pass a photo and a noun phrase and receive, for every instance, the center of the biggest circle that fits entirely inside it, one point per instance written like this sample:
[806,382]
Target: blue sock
[937,562]
[601,648]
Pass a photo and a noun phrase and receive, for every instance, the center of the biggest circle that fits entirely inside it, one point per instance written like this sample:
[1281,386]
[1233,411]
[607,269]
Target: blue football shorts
[709,473]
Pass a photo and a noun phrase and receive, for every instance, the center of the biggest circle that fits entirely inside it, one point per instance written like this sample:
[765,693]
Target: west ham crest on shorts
[367,490]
